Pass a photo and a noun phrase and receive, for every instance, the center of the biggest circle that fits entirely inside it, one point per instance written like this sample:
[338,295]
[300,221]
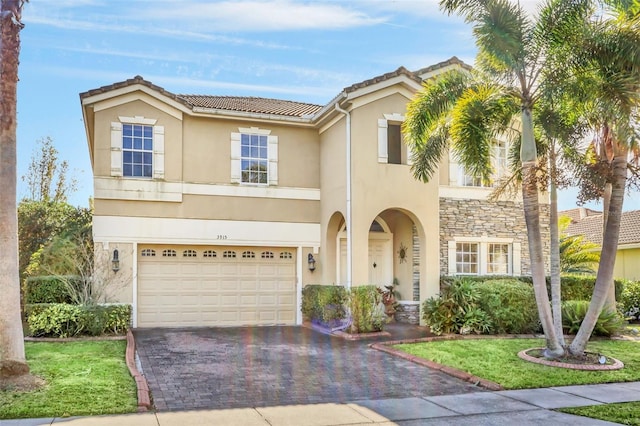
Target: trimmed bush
[65,320]
[324,304]
[510,304]
[573,312]
[630,299]
[46,289]
[580,287]
[456,309]
[367,311]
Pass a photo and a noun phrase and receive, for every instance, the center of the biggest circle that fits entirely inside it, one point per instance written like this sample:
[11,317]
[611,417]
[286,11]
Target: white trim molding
[152,230]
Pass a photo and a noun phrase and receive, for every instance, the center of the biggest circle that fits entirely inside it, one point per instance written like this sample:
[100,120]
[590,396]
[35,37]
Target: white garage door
[212,286]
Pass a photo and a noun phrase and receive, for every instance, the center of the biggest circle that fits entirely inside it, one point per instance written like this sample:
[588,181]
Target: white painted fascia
[400,79]
[251,115]
[129,90]
[368,98]
[155,230]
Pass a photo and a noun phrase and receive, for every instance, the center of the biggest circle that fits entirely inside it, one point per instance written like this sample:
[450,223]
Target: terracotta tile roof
[130,82]
[400,71]
[591,228]
[451,61]
[252,104]
[579,213]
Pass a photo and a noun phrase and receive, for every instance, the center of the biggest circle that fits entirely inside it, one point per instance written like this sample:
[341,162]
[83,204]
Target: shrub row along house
[218,210]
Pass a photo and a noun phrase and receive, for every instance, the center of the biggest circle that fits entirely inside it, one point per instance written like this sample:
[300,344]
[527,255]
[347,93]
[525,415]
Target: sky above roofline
[306,51]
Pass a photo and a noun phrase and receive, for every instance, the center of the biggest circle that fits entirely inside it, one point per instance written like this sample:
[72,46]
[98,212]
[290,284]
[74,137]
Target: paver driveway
[263,366]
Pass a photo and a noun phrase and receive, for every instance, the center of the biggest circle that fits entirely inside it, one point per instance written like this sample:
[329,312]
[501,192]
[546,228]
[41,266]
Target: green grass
[82,378]
[626,414]
[497,360]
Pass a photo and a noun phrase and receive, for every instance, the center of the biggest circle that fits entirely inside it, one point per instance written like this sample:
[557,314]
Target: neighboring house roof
[591,228]
[579,213]
[252,104]
[273,107]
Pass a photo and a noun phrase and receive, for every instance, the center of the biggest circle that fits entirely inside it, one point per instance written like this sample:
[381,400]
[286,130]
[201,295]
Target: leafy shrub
[510,304]
[573,312]
[455,309]
[367,313]
[630,299]
[65,320]
[46,289]
[580,287]
[324,303]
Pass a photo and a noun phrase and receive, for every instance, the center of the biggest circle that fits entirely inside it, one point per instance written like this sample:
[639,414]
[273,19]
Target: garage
[190,286]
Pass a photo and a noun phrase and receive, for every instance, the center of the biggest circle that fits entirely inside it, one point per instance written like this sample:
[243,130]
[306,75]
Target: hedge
[324,304]
[47,289]
[573,287]
[66,320]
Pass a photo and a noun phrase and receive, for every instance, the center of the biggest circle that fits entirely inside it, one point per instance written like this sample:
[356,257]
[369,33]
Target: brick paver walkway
[265,366]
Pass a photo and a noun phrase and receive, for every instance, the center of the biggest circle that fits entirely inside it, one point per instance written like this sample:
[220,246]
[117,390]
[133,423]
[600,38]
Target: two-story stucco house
[219,209]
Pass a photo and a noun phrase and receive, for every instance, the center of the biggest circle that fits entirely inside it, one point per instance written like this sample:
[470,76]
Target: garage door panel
[196,291]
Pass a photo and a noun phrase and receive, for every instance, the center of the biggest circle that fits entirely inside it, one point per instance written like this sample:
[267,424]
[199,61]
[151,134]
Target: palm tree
[577,255]
[512,55]
[608,66]
[12,356]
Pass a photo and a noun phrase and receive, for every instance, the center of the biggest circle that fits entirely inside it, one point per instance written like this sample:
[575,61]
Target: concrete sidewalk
[522,407]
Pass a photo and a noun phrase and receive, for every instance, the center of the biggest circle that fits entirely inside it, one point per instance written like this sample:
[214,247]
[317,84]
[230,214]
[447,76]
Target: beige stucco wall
[379,187]
[118,286]
[627,264]
[143,108]
[207,151]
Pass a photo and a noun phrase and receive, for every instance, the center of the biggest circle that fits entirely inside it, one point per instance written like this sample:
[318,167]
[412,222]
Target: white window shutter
[383,154]
[158,152]
[236,169]
[452,257]
[516,264]
[272,143]
[116,148]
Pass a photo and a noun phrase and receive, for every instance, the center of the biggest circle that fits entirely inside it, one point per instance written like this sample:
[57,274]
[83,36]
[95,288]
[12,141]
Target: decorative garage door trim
[181,286]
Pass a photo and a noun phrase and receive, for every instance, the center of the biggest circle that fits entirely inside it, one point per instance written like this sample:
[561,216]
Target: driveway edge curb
[144,398]
[462,375]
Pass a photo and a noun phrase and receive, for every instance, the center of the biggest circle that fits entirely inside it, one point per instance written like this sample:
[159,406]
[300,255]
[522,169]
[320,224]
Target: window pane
[137,130]
[146,158]
[126,142]
[137,157]
[148,131]
[148,145]
[245,151]
[254,139]
[244,139]
[263,141]
[137,170]
[127,129]
[127,156]
[127,170]
[147,171]
[255,152]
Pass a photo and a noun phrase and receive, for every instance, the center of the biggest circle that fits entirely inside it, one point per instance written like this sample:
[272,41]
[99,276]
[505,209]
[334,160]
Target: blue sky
[286,49]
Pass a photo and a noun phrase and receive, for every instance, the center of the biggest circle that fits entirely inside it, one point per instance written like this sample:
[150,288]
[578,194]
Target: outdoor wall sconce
[115,261]
[312,263]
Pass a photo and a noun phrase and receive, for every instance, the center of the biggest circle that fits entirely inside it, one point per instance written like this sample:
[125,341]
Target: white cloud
[259,15]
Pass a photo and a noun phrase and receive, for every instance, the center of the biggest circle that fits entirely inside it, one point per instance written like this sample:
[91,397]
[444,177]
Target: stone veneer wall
[501,219]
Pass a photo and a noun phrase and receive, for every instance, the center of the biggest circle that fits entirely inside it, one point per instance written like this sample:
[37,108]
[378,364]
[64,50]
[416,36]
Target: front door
[380,259]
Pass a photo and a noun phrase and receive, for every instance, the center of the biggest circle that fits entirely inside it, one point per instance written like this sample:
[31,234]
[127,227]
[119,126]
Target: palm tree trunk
[556,296]
[607,258]
[532,218]
[12,356]
[606,201]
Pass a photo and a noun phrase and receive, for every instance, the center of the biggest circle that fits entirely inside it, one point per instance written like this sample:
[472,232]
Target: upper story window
[254,156]
[499,162]
[137,150]
[391,149]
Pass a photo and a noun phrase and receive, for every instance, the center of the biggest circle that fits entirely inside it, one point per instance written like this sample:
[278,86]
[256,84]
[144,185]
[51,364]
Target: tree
[470,115]
[608,66]
[12,357]
[577,255]
[47,178]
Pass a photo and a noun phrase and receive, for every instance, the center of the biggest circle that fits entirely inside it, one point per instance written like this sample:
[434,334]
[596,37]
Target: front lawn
[497,360]
[82,378]
[626,414]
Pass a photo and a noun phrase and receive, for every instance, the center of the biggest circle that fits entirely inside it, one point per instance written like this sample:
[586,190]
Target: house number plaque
[221,237]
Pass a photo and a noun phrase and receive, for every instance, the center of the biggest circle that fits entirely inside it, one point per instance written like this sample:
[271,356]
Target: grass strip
[497,360]
[82,378]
